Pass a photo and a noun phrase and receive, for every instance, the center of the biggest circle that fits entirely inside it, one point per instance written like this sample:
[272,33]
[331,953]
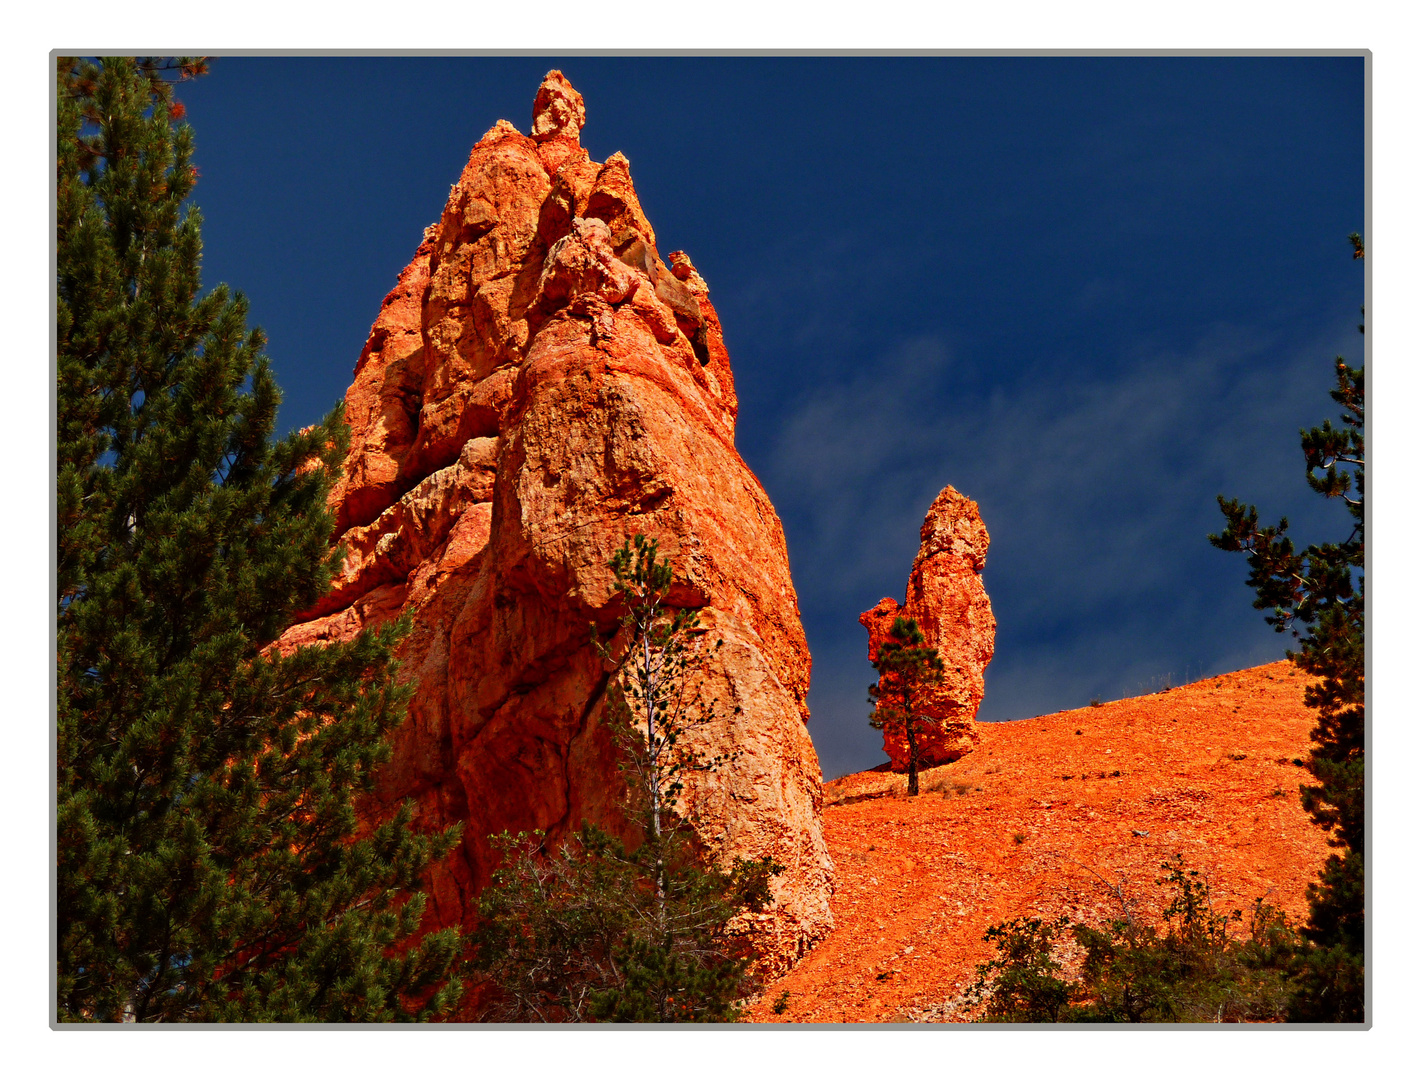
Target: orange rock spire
[538,386]
[946,597]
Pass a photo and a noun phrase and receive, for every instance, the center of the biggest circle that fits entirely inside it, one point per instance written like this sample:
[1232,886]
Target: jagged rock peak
[538,386]
[558,108]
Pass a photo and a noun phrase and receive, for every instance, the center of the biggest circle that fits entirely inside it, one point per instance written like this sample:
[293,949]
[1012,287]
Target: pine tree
[1319,596]
[593,930]
[210,865]
[906,668]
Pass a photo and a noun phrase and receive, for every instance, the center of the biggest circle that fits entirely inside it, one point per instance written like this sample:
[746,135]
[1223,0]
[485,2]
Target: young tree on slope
[906,668]
[593,931]
[210,866]
[1319,595]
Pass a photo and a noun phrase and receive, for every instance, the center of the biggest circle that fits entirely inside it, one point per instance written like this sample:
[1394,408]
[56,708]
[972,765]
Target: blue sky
[1089,293]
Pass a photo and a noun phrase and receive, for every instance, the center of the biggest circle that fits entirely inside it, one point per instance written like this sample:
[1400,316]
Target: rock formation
[539,385]
[946,597]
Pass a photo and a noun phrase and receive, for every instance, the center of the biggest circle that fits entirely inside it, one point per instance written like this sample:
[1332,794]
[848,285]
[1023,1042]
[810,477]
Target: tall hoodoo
[946,597]
[539,385]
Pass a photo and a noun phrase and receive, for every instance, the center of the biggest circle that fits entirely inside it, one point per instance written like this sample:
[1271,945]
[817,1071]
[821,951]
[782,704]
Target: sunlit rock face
[946,597]
[539,386]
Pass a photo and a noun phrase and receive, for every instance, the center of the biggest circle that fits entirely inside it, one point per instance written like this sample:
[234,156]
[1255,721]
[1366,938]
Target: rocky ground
[1064,814]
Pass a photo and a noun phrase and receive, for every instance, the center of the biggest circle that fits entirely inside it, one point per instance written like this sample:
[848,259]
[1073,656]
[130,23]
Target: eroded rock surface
[946,597]
[539,385]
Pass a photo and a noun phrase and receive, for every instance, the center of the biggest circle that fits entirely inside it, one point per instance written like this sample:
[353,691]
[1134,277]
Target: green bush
[1192,969]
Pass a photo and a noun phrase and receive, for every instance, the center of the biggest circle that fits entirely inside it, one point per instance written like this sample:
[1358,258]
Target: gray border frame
[54,1023]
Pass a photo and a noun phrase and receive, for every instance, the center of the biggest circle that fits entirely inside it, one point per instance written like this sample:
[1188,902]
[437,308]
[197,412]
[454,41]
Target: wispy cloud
[1097,486]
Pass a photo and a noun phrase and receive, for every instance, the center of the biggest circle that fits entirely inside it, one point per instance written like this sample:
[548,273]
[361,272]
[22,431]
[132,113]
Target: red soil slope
[1050,816]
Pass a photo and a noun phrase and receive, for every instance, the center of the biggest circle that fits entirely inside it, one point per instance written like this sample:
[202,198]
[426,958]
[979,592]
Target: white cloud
[1097,485]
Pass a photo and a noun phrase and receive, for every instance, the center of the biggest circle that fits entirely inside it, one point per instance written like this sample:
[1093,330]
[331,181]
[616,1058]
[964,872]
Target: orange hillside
[1052,816]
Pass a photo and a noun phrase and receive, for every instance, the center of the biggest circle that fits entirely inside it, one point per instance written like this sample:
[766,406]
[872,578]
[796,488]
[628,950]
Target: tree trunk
[912,759]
